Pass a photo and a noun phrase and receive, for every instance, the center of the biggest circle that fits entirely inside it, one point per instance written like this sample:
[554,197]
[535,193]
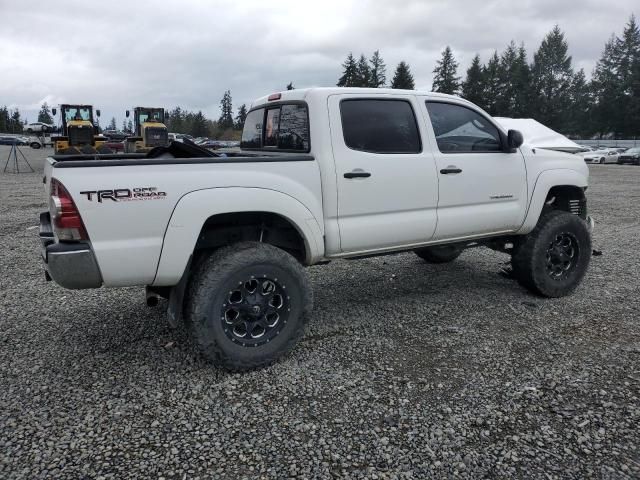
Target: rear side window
[380,126]
[252,131]
[283,127]
[459,129]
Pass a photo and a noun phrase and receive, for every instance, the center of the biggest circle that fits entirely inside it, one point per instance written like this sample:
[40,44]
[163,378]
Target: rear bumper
[70,265]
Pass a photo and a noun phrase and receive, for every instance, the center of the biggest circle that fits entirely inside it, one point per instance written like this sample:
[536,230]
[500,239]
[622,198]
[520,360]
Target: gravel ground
[407,370]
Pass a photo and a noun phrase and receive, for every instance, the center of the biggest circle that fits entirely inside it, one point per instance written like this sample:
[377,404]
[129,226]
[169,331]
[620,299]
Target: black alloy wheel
[553,258]
[562,255]
[247,304]
[255,311]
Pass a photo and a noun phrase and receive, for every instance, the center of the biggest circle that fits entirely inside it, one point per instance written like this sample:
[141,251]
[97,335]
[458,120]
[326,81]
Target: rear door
[386,177]
[482,187]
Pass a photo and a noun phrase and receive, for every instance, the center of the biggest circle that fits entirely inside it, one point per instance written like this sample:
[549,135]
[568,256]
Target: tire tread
[524,258]
[207,276]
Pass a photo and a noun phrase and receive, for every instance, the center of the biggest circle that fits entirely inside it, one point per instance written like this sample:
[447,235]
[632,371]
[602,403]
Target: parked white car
[38,127]
[601,156]
[324,174]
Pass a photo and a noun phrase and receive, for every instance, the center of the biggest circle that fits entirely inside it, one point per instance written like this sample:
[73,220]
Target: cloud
[119,54]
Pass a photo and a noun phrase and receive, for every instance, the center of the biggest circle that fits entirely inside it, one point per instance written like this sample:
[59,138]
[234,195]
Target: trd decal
[125,194]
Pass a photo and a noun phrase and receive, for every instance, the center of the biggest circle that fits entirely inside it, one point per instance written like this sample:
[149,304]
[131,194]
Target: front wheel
[439,253]
[602,161]
[247,305]
[552,260]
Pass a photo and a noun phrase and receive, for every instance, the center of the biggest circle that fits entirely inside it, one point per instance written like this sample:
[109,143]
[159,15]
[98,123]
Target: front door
[386,176]
[482,187]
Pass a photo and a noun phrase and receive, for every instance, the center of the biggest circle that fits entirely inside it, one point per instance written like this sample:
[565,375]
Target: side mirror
[127,113]
[98,112]
[514,139]
[54,111]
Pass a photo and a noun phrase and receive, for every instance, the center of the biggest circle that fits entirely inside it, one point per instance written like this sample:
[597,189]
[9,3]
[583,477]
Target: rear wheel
[552,260]
[247,305]
[439,254]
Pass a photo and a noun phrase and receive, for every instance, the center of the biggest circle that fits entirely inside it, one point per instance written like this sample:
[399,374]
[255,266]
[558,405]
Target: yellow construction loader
[78,132]
[150,130]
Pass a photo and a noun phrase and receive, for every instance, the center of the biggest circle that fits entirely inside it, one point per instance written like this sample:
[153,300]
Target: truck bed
[117,160]
[127,234]
[175,153]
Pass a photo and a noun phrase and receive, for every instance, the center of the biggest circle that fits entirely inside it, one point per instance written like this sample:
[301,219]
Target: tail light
[67,223]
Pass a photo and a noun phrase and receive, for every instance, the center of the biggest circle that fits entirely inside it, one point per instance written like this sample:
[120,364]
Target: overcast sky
[119,54]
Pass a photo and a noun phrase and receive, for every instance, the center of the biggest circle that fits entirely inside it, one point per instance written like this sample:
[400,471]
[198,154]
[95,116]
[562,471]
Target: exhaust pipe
[152,297]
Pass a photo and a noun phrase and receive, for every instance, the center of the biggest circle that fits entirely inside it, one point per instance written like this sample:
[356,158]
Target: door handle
[451,169]
[357,174]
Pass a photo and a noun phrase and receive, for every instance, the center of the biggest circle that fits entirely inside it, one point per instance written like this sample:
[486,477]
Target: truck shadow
[402,287]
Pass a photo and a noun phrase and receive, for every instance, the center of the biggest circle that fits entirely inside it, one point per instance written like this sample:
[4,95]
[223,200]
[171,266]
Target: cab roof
[301,94]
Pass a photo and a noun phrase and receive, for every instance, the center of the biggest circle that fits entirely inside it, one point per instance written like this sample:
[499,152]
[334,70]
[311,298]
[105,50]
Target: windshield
[633,151]
[77,113]
[150,116]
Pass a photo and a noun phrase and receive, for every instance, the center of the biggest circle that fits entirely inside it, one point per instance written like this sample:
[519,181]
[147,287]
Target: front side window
[459,129]
[380,126]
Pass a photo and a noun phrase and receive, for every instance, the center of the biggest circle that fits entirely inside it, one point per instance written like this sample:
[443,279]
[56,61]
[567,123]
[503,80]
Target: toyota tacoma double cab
[322,174]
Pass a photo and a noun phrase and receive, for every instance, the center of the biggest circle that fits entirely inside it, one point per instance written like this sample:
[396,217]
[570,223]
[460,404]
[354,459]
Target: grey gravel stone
[443,371]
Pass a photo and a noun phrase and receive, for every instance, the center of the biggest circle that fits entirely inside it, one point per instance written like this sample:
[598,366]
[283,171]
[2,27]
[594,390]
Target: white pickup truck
[324,173]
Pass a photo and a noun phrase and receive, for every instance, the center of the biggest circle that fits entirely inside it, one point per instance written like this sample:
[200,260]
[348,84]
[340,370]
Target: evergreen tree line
[10,121]
[371,73]
[547,89]
[196,124]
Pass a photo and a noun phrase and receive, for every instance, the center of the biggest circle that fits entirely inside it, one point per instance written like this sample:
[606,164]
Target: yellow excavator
[78,131]
[150,130]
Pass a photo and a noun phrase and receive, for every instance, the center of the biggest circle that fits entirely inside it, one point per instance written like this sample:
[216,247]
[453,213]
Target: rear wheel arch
[224,229]
[196,225]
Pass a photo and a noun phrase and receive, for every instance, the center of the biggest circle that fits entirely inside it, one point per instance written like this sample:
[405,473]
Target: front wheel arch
[547,183]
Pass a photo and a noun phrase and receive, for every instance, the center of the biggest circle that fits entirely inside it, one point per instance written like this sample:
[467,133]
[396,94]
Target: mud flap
[176,298]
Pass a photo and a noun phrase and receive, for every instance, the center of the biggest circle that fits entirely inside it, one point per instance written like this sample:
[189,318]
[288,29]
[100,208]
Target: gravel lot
[407,370]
